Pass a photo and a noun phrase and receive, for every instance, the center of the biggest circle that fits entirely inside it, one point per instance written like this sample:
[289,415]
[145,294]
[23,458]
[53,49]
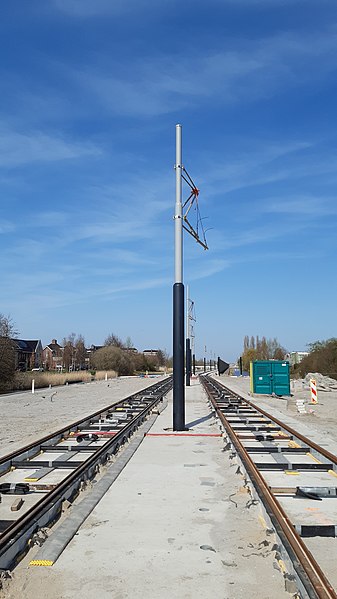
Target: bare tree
[128,343]
[276,351]
[112,339]
[264,349]
[69,351]
[7,352]
[80,352]
[161,357]
[248,356]
[74,352]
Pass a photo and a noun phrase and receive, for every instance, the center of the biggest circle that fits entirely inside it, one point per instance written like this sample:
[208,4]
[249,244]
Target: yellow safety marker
[41,562]
[30,480]
[332,472]
[282,566]
[293,444]
[291,472]
[251,372]
[262,521]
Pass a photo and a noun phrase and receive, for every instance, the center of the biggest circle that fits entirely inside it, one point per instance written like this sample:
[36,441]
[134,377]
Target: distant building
[151,353]
[295,357]
[94,348]
[28,353]
[89,353]
[131,350]
[53,356]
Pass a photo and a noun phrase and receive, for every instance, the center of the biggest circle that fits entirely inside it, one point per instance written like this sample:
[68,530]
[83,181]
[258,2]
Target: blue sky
[91,94]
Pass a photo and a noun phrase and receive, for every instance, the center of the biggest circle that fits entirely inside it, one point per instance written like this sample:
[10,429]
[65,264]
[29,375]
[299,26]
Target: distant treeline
[322,358]
[322,355]
[115,355]
[256,348]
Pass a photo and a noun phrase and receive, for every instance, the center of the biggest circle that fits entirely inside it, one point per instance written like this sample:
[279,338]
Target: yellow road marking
[41,562]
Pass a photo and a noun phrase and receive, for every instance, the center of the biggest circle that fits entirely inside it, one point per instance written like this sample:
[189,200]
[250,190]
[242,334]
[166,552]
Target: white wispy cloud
[45,289]
[19,148]
[267,3]
[303,205]
[256,235]
[234,70]
[88,8]
[255,164]
[202,269]
[50,218]
[123,212]
[259,162]
[240,71]
[31,249]
[6,226]
[117,256]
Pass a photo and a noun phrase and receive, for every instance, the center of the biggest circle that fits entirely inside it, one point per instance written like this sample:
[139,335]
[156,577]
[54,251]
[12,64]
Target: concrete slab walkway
[177,523]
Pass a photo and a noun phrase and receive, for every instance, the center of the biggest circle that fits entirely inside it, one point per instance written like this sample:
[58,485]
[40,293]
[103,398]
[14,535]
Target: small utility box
[270,376]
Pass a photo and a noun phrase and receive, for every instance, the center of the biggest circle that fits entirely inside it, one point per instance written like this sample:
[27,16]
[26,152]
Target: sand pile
[323,383]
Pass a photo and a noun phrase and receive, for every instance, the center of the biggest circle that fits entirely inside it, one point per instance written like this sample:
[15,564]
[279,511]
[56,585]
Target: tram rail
[51,470]
[266,447]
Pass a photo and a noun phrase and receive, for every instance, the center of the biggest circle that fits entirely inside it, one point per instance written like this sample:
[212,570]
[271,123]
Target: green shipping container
[270,376]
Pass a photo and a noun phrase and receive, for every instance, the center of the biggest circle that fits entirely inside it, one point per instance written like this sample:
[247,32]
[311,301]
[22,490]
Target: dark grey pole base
[178,358]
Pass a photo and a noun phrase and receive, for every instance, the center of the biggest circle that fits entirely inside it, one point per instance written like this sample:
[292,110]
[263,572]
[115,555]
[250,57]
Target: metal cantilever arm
[188,227]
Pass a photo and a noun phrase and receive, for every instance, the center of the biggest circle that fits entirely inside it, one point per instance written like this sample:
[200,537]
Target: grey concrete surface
[178,523]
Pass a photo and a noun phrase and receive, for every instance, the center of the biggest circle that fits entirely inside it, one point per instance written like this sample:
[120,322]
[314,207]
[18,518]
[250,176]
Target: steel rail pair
[16,538]
[311,579]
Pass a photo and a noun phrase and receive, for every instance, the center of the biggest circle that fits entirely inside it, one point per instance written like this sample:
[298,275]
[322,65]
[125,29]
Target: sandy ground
[26,417]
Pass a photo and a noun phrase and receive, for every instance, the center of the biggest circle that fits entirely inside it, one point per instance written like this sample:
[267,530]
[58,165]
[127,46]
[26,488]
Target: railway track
[294,478]
[37,479]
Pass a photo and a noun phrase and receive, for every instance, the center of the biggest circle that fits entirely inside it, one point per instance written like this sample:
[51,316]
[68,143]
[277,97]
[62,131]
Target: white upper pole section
[178,214]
